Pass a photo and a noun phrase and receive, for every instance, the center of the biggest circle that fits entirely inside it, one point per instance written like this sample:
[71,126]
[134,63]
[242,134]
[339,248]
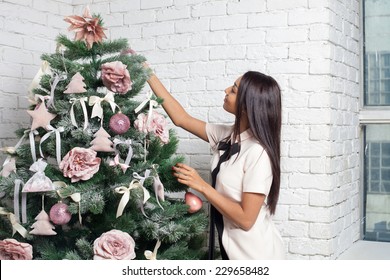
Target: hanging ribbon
[140,178]
[126,196]
[115,162]
[76,197]
[82,101]
[96,102]
[153,255]
[127,142]
[57,132]
[152,104]
[31,136]
[56,80]
[18,185]
[16,227]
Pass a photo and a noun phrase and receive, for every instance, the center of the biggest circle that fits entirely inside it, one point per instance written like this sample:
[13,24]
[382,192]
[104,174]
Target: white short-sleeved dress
[250,171]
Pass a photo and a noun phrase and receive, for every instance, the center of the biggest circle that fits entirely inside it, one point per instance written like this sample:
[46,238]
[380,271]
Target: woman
[245,166]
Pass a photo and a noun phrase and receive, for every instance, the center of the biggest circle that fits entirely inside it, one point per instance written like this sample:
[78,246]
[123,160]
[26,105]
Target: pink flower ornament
[157,125]
[114,245]
[80,164]
[11,249]
[116,77]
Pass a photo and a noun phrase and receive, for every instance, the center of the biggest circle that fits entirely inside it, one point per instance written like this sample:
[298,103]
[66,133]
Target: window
[375,119]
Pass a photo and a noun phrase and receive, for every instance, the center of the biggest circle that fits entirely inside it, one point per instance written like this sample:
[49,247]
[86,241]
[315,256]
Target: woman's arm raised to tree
[175,111]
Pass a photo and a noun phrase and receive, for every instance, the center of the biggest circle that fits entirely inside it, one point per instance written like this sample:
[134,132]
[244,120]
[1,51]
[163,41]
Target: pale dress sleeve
[216,133]
[257,171]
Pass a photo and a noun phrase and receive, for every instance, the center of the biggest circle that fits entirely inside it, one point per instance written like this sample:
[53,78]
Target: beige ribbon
[126,196]
[96,102]
[82,101]
[16,227]
[57,132]
[152,255]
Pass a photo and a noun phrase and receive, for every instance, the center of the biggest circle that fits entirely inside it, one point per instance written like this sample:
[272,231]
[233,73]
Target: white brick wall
[198,48]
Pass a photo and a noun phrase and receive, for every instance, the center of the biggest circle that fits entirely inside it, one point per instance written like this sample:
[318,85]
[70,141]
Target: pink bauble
[59,214]
[193,201]
[119,123]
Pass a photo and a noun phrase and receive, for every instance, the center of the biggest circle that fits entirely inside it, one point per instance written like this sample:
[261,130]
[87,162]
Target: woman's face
[231,96]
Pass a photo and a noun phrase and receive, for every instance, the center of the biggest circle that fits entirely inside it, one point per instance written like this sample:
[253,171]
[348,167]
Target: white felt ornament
[41,116]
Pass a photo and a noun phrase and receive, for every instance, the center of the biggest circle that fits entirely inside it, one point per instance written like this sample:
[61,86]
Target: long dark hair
[259,98]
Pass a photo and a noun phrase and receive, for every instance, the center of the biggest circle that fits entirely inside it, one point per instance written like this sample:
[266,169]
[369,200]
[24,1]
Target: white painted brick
[173,13]
[200,161]
[20,2]
[309,149]
[220,83]
[294,197]
[120,6]
[192,26]
[227,52]
[135,17]
[180,3]
[239,67]
[142,45]
[250,36]
[199,113]
[311,181]
[319,32]
[294,229]
[174,71]
[275,19]
[246,6]
[309,116]
[209,69]
[295,132]
[113,20]
[158,57]
[194,146]
[209,38]
[132,32]
[311,214]
[158,29]
[13,55]
[310,83]
[215,8]
[308,16]
[37,44]
[8,101]
[310,50]
[325,231]
[205,99]
[191,55]
[288,66]
[295,165]
[286,35]
[47,6]
[228,22]
[151,4]
[285,5]
[219,115]
[10,70]
[188,85]
[267,52]
[8,130]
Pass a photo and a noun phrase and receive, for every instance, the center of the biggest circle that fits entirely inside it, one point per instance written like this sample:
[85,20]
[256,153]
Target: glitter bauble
[119,123]
[193,201]
[59,214]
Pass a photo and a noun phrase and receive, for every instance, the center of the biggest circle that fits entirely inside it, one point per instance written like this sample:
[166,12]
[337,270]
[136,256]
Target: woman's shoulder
[218,132]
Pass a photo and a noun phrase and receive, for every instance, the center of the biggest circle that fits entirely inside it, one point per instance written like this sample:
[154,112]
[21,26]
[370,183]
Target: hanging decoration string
[82,101]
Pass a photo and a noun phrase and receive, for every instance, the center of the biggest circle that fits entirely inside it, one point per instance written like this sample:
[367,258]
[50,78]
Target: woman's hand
[189,176]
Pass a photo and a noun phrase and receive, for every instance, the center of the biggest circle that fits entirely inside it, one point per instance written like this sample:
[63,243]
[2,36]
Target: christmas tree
[96,161]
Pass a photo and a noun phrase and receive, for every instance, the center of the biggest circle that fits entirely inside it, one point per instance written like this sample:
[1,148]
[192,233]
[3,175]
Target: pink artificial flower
[116,77]
[11,249]
[80,164]
[114,245]
[157,125]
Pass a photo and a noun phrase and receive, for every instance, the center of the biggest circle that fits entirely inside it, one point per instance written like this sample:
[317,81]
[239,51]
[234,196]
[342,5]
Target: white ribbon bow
[152,255]
[152,104]
[16,227]
[126,196]
[127,142]
[96,102]
[82,101]
[57,132]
